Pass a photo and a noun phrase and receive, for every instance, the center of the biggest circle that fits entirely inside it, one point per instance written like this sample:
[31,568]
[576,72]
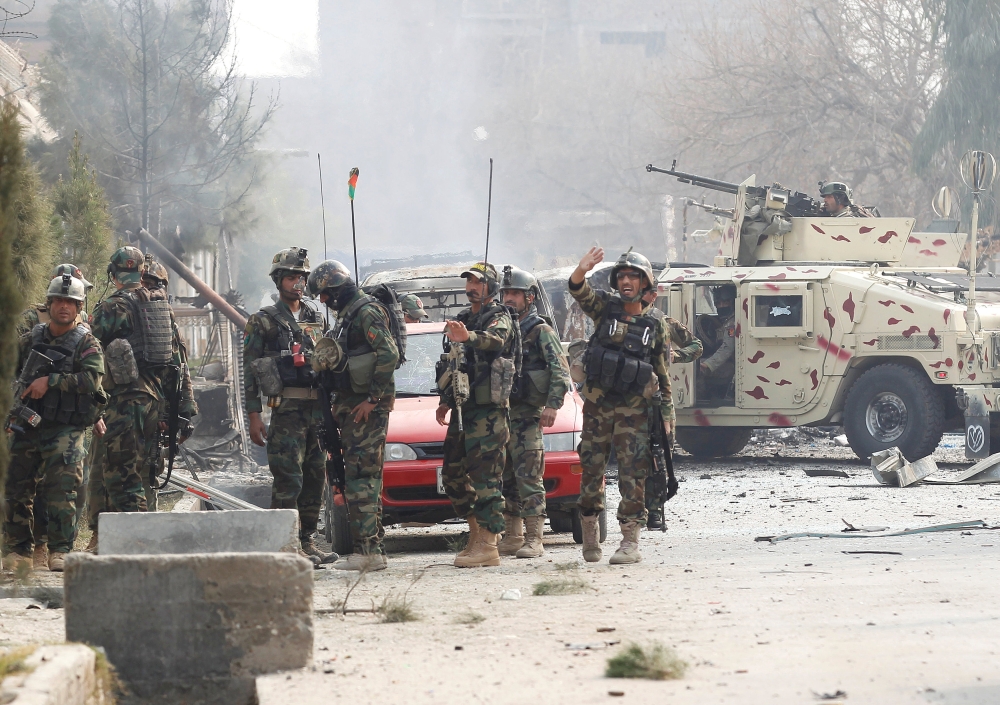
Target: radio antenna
[489,207]
[322,201]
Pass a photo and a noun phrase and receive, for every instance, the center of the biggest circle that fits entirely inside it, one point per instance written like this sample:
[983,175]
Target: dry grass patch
[560,586]
[655,662]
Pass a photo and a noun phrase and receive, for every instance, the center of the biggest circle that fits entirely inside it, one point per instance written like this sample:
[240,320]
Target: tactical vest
[481,362]
[531,386]
[152,333]
[291,331]
[618,354]
[359,366]
[57,406]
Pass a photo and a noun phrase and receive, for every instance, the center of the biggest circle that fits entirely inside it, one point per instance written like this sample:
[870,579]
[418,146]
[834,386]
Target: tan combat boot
[40,558]
[533,529]
[18,563]
[513,535]
[628,551]
[473,535]
[484,552]
[310,549]
[57,562]
[358,561]
[92,546]
[591,538]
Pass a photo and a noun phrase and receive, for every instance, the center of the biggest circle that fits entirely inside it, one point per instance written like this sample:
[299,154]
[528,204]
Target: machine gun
[661,484]
[454,373]
[37,365]
[775,197]
[330,440]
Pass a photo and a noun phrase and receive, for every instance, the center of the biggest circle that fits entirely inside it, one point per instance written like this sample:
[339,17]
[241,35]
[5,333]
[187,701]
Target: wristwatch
[372,400]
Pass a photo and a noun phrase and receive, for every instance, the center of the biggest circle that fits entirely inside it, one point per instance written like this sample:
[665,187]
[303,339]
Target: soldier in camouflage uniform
[627,371]
[413,308]
[684,347]
[67,396]
[136,333]
[715,372]
[474,457]
[275,344]
[364,394]
[537,395]
[31,317]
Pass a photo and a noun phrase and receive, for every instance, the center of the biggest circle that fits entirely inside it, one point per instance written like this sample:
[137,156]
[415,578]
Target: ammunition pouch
[265,371]
[70,408]
[614,371]
[501,380]
[120,362]
[290,375]
[532,386]
[360,370]
[577,352]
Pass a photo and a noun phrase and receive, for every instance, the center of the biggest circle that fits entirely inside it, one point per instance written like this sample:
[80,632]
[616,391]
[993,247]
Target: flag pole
[352,183]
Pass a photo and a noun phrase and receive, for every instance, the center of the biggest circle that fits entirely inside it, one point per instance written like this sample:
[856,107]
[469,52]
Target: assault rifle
[662,484]
[173,420]
[330,440]
[456,375]
[37,365]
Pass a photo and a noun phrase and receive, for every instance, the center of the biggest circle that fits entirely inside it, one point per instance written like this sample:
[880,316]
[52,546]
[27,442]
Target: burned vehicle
[852,321]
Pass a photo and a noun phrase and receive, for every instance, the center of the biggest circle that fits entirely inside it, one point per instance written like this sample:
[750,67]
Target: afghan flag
[352,182]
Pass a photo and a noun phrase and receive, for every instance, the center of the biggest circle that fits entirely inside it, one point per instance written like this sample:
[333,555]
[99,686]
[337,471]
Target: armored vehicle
[852,321]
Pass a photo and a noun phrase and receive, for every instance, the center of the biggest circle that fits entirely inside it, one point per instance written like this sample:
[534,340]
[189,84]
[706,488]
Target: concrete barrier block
[178,624]
[156,533]
[59,675]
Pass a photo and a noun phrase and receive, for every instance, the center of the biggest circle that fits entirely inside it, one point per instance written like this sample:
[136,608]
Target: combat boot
[366,562]
[92,546]
[312,559]
[310,549]
[533,529]
[40,558]
[513,535]
[484,553]
[57,562]
[473,535]
[628,551]
[655,519]
[17,563]
[591,538]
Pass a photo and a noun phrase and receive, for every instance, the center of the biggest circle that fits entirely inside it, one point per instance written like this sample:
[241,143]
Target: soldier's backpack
[387,297]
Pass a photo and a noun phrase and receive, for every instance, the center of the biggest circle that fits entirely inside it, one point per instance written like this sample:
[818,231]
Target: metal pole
[970,307]
[322,201]
[354,240]
[489,208]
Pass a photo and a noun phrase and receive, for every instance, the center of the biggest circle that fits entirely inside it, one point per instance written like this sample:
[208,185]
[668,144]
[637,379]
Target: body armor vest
[152,334]
[57,406]
[290,331]
[359,361]
[617,357]
[526,385]
[481,362]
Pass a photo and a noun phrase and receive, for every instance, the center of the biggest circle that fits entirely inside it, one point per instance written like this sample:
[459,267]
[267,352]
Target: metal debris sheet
[977,524]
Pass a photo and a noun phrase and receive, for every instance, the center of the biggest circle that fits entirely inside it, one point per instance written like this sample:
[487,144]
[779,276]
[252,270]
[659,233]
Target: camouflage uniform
[53,452]
[131,404]
[297,463]
[365,332]
[474,458]
[545,382]
[619,419]
[721,363]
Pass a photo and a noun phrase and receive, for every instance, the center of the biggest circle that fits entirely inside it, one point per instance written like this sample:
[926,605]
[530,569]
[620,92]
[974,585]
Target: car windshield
[416,376]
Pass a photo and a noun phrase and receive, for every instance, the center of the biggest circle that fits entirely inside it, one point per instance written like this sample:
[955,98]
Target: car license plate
[440,482]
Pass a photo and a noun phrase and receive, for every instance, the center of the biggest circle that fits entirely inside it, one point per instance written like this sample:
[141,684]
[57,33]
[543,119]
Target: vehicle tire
[338,523]
[602,526]
[561,522]
[714,441]
[894,405]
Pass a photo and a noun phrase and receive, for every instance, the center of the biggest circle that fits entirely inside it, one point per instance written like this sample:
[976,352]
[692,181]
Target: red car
[412,490]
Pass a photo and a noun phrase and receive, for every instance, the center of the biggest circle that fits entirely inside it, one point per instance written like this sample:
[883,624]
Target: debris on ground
[890,468]
[862,533]
[825,472]
[514,594]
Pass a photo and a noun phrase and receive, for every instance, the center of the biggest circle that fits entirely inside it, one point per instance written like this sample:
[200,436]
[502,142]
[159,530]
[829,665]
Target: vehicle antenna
[489,207]
[322,201]
[352,183]
[977,170]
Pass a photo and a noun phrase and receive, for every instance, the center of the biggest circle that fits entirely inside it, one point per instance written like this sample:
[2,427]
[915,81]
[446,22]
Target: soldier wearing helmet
[536,397]
[413,308]
[275,345]
[684,347]
[718,332]
[39,313]
[837,201]
[66,394]
[474,457]
[626,365]
[363,395]
[137,333]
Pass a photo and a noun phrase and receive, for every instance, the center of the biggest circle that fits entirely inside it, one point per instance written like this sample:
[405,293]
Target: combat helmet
[66,286]
[519,280]
[155,270]
[291,260]
[632,260]
[834,188]
[73,271]
[126,264]
[329,276]
[484,271]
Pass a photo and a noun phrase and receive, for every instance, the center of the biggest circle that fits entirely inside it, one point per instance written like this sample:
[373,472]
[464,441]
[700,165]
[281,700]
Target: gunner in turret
[837,201]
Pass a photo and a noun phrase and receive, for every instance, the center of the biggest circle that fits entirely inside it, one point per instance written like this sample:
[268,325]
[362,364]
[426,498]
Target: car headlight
[554,442]
[399,451]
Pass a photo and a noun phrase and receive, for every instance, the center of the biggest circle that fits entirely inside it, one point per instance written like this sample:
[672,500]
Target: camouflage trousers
[152,460]
[53,456]
[364,453]
[624,424]
[473,464]
[296,461]
[523,488]
[97,496]
[122,459]
[40,521]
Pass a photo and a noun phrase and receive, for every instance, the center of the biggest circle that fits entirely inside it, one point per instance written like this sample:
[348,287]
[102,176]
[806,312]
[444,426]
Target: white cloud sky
[276,39]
